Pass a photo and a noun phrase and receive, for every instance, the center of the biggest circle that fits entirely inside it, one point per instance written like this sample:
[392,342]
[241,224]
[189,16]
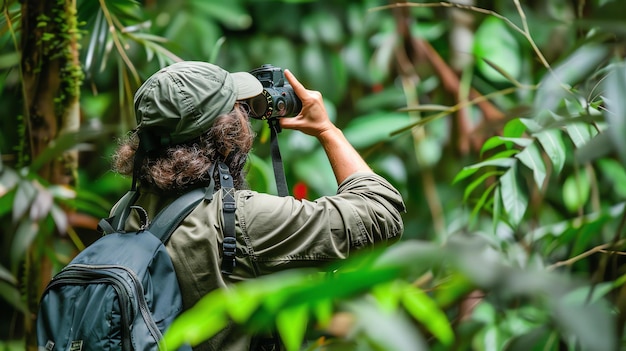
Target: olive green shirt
[276,233]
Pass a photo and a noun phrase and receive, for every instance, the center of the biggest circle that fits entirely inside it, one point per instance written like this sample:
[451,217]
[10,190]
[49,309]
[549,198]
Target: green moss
[58,42]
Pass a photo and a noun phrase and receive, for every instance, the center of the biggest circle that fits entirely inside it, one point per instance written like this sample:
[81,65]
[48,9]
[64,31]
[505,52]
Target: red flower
[300,190]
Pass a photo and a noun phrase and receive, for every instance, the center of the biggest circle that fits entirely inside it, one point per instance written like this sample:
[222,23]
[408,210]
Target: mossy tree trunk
[52,77]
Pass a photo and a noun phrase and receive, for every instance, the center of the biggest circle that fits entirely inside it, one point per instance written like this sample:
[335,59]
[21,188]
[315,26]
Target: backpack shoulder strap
[170,217]
[229,246]
[165,221]
[115,223]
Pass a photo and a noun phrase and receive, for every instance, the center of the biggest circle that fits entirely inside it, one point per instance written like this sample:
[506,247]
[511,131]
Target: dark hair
[187,165]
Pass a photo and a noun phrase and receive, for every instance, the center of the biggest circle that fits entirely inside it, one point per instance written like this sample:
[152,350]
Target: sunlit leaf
[496,141]
[514,196]
[323,311]
[291,324]
[424,309]
[199,323]
[388,295]
[531,158]
[514,128]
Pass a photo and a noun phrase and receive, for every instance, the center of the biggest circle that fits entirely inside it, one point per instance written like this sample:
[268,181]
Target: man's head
[181,102]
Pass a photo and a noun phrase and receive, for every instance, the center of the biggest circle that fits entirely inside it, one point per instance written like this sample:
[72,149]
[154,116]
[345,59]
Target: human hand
[313,118]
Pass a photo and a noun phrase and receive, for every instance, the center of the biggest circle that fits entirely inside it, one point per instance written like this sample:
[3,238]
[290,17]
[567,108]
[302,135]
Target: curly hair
[184,166]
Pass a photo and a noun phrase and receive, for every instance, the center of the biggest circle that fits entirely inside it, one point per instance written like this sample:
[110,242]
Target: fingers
[298,88]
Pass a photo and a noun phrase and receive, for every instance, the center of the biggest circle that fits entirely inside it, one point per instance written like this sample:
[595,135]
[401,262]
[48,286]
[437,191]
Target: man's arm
[313,120]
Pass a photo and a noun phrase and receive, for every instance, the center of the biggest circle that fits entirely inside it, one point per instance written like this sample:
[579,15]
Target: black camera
[278,98]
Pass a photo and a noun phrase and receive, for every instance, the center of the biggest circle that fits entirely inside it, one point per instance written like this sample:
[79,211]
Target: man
[195,112]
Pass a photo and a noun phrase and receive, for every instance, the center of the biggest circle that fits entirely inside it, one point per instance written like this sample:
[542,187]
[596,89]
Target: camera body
[277,99]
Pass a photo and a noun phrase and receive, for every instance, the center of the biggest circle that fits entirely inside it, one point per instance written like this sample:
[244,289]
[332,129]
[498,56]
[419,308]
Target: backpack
[121,292]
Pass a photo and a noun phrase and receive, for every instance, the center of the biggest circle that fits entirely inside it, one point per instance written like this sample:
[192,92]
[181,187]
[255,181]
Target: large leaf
[291,324]
[495,46]
[371,129]
[424,309]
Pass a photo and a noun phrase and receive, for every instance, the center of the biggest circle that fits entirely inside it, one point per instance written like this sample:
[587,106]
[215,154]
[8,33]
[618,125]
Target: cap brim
[247,85]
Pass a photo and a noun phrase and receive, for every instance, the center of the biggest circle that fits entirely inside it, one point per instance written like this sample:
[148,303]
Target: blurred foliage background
[502,122]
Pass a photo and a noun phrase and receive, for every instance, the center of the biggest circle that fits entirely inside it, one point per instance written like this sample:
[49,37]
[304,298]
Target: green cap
[181,101]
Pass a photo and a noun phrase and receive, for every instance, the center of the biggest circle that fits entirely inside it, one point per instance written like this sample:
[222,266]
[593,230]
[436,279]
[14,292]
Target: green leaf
[323,311]
[496,141]
[553,145]
[388,295]
[11,294]
[576,190]
[469,170]
[531,158]
[478,181]
[368,130]
[24,235]
[494,42]
[199,323]
[497,209]
[514,128]
[615,172]
[514,196]
[291,324]
[482,200]
[426,311]
[580,133]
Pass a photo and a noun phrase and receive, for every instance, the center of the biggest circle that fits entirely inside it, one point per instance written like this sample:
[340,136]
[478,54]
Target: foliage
[502,125]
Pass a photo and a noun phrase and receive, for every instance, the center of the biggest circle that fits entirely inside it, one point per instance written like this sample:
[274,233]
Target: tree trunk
[52,77]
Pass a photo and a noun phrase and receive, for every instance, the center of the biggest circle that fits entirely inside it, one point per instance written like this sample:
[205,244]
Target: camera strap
[277,161]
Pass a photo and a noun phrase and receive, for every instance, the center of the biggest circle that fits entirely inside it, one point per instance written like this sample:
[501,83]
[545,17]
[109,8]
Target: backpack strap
[170,217]
[228,211]
[116,222]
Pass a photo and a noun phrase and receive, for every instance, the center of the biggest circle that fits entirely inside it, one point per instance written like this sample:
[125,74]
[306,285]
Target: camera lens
[258,106]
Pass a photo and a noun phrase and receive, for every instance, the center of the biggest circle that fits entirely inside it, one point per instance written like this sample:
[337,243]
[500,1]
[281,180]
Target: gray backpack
[121,292]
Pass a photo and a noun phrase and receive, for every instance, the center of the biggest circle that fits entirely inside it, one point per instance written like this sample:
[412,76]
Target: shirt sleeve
[282,232]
